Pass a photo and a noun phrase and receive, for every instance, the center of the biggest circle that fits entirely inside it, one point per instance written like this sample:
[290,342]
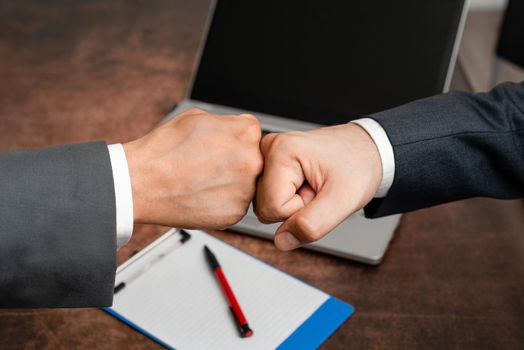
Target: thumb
[315,220]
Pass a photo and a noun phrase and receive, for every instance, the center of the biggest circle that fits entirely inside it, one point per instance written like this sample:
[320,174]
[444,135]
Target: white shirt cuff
[385,149]
[123,194]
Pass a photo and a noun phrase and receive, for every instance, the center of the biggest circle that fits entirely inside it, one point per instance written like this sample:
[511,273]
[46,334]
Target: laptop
[305,64]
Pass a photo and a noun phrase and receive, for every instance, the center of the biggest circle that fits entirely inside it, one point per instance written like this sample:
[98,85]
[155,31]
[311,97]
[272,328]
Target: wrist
[137,176]
[385,151]
[367,156]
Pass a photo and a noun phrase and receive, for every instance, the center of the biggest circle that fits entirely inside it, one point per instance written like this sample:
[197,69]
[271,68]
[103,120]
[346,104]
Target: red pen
[234,306]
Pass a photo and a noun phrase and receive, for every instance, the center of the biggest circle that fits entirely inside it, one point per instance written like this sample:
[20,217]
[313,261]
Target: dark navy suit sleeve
[454,146]
[57,227]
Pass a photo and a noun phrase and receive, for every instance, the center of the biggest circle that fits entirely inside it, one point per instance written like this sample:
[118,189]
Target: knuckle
[272,144]
[240,213]
[253,123]
[233,217]
[288,143]
[252,131]
[257,163]
[249,119]
[309,231]
[265,144]
[279,140]
[228,221]
[282,142]
[270,211]
[249,166]
[263,215]
[260,211]
[248,195]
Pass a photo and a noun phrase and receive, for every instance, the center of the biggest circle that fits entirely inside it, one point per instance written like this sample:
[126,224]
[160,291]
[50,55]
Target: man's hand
[314,180]
[196,171]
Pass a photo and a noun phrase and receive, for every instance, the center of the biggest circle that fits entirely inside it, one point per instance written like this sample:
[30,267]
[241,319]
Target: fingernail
[286,241]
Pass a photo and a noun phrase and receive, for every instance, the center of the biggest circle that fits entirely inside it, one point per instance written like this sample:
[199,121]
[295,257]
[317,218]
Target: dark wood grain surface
[75,71]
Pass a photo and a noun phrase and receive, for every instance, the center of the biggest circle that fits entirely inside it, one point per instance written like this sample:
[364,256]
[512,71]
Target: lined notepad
[178,302]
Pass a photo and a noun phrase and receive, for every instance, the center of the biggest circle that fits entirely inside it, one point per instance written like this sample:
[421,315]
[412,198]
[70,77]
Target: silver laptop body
[357,238]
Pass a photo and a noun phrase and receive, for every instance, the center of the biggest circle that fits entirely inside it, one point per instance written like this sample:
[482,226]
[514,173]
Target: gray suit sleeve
[57,227]
[455,146]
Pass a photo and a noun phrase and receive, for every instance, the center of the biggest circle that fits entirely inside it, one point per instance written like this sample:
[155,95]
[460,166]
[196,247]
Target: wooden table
[76,71]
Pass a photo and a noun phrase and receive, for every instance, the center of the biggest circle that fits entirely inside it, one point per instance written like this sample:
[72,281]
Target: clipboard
[177,302]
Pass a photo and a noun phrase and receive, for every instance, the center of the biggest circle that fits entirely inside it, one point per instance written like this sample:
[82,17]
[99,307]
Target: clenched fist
[196,171]
[314,180]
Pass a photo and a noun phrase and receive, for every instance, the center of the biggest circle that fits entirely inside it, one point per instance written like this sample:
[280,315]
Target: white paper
[179,300]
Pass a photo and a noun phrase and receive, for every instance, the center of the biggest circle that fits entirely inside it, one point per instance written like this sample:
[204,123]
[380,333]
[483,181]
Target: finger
[277,197]
[325,212]
[304,195]
[245,126]
[266,143]
[307,193]
[255,206]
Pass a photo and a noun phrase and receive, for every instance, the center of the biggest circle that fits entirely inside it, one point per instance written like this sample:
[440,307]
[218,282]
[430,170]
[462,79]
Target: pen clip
[243,329]
[185,236]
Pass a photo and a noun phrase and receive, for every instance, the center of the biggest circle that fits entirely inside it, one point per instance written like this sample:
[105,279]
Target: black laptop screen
[326,61]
